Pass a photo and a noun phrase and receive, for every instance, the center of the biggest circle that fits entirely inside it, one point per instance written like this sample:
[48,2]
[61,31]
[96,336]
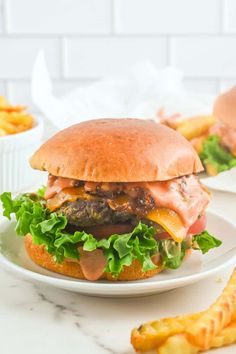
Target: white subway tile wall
[230,11]
[205,57]
[201,86]
[168,16]
[85,40]
[19,90]
[58,16]
[1,17]
[96,57]
[17,56]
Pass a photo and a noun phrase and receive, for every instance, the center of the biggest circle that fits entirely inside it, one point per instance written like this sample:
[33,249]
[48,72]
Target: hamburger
[122,202]
[218,150]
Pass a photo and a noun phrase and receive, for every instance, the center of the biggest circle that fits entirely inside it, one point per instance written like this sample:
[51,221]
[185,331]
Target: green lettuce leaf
[172,253]
[205,242]
[49,229]
[215,155]
[41,191]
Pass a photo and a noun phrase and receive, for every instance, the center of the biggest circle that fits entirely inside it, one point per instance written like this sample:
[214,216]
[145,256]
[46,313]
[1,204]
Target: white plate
[194,268]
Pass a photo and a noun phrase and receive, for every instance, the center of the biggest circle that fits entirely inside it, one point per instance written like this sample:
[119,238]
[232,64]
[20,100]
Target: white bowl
[15,151]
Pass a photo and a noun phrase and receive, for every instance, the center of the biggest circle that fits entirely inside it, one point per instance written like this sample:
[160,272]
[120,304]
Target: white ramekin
[15,151]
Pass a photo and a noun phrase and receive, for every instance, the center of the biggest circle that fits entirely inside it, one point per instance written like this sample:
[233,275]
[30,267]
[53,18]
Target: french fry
[226,337]
[193,333]
[10,109]
[2,132]
[195,127]
[211,169]
[213,320]
[3,101]
[3,115]
[8,127]
[20,119]
[178,344]
[13,119]
[173,121]
[152,334]
[197,143]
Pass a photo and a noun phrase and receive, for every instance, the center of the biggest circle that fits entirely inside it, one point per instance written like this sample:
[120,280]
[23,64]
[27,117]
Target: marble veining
[62,310]
[51,320]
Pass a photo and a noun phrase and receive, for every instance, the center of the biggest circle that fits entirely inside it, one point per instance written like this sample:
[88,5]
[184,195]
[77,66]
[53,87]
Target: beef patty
[86,213]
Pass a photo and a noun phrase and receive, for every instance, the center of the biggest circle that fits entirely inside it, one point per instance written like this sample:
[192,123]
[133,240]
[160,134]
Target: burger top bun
[117,150]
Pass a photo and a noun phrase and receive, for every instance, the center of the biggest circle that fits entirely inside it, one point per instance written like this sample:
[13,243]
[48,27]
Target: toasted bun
[117,150]
[72,269]
[225,108]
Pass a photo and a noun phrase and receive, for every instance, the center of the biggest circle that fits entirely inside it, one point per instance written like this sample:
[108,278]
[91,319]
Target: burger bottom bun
[72,269]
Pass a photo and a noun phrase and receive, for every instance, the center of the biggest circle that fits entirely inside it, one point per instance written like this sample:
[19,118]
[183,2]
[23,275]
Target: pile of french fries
[195,127]
[194,333]
[190,128]
[13,119]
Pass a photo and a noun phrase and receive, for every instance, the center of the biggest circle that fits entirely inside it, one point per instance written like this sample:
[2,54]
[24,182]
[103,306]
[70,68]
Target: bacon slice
[68,195]
[57,184]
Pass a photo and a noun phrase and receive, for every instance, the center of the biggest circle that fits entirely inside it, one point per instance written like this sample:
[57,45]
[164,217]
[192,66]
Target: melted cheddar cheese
[68,195]
[168,219]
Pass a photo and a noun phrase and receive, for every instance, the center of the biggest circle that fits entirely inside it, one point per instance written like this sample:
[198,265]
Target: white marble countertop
[43,320]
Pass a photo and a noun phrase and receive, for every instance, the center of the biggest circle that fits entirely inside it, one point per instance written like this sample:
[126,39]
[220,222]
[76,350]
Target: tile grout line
[115,17]
[64,58]
[4,17]
[4,87]
[168,51]
[61,40]
[112,17]
[7,89]
[222,9]
[171,51]
[23,35]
